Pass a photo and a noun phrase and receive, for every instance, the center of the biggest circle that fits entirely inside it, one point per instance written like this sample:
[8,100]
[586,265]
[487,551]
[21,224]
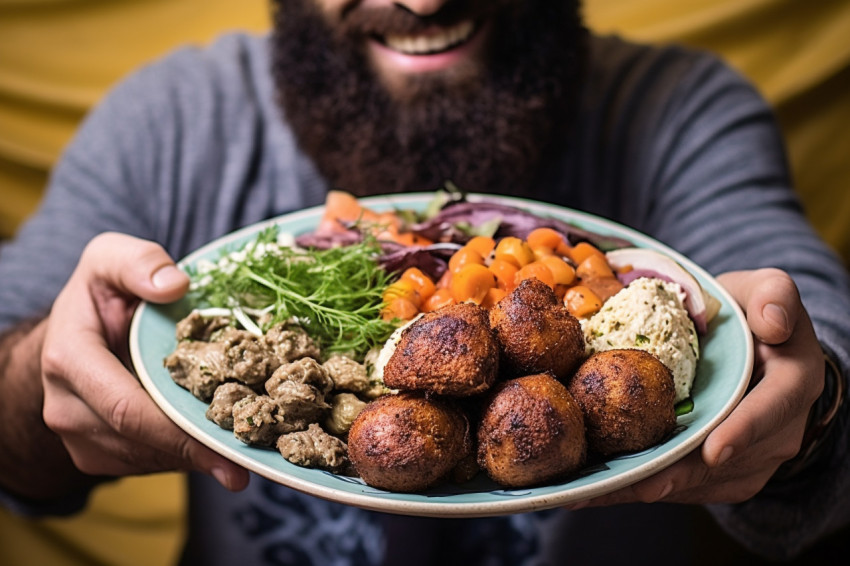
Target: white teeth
[434,43]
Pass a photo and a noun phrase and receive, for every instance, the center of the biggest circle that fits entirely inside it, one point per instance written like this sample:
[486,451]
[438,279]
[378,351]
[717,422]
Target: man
[377,96]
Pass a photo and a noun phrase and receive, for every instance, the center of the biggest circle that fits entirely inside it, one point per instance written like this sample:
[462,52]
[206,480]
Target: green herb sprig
[334,294]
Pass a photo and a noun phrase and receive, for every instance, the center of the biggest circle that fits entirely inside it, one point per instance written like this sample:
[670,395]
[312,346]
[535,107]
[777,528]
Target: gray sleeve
[721,195]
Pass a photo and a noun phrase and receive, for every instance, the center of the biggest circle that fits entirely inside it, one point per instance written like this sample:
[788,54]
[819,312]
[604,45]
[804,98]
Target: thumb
[134,267]
[770,300]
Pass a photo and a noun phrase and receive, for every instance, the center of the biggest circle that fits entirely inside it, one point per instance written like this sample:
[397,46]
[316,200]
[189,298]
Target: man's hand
[105,419]
[766,428]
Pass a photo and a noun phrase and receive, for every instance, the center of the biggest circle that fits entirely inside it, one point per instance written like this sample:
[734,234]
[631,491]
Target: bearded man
[380,96]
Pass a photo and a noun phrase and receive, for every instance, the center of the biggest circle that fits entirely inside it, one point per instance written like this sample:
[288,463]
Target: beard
[486,127]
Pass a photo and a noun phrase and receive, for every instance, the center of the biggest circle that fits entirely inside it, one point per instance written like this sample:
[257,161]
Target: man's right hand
[105,419]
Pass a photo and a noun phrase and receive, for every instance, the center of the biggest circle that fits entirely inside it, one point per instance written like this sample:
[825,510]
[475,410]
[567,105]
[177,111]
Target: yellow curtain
[797,53]
[57,58]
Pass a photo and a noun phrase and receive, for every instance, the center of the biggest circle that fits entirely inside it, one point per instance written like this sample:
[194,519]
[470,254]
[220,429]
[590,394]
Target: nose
[421,7]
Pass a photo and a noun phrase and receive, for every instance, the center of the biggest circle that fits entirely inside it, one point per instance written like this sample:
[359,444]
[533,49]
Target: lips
[438,41]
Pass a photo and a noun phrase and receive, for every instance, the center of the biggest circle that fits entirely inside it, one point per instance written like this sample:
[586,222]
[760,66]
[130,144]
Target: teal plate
[721,381]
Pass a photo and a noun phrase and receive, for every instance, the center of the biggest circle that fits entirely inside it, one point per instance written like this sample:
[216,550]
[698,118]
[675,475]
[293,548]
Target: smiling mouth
[432,43]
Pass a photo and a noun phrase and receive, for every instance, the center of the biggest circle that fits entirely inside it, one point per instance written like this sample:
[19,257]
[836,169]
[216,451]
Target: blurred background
[58,57]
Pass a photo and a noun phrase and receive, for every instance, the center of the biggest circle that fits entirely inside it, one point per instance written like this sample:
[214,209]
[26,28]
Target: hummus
[649,314]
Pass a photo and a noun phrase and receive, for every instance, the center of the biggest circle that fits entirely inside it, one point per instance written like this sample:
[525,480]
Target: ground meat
[226,395]
[259,421]
[305,370]
[347,374]
[300,401]
[197,327]
[313,448]
[198,367]
[287,344]
[247,356]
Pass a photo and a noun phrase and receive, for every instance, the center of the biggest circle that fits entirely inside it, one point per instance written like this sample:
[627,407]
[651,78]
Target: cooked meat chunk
[247,357]
[198,367]
[627,397]
[347,374]
[408,442]
[197,327]
[299,389]
[451,351]
[305,370]
[344,409]
[298,401]
[226,395]
[531,431]
[313,448]
[259,421]
[536,333]
[287,344]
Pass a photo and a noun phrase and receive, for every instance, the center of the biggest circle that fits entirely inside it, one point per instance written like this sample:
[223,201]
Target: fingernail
[221,476]
[666,491]
[167,277]
[725,455]
[775,315]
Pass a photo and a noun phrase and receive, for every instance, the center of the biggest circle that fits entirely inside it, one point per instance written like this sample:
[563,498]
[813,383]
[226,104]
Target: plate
[722,377]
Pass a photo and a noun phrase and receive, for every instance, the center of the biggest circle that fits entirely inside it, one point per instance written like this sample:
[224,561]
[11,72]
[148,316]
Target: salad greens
[333,294]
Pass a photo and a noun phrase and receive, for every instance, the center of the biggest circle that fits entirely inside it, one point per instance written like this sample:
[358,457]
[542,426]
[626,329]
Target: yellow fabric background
[134,522]
[57,58]
[798,54]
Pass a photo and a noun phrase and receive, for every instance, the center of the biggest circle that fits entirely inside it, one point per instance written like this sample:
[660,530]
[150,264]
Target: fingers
[134,267]
[111,426]
[770,300]
[104,417]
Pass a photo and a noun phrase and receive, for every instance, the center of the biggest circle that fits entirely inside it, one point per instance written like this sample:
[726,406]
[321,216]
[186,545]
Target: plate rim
[421,505]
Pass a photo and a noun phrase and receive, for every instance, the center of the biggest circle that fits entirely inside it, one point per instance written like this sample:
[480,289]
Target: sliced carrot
[402,289]
[399,309]
[441,298]
[581,301]
[564,249]
[411,239]
[603,287]
[482,244]
[535,270]
[421,282]
[563,272]
[594,267]
[546,238]
[471,283]
[464,256]
[505,272]
[515,251]
[494,295]
[582,250]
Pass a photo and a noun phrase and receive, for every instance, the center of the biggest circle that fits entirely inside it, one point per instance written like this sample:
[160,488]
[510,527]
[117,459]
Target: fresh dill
[335,295]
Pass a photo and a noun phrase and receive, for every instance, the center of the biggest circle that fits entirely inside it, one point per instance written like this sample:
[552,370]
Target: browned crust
[408,442]
[450,352]
[628,400]
[536,333]
[531,432]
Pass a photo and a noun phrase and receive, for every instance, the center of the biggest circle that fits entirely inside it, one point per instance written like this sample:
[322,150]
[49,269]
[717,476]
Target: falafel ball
[628,400]
[536,332]
[531,432]
[408,442]
[451,351]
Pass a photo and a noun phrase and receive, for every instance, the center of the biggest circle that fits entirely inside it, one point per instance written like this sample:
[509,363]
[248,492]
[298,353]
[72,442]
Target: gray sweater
[668,141]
